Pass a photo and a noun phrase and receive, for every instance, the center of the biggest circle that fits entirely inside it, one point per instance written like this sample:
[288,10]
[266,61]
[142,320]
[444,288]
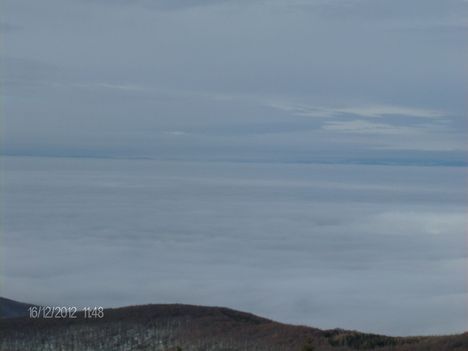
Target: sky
[309,156]
[334,81]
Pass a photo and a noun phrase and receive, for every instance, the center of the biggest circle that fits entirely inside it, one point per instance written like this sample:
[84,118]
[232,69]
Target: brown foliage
[195,328]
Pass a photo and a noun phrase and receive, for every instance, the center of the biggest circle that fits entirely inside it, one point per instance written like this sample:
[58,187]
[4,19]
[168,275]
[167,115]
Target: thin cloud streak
[368,111]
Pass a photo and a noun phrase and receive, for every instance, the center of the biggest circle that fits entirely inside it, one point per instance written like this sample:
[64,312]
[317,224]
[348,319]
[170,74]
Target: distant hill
[197,328]
[11,309]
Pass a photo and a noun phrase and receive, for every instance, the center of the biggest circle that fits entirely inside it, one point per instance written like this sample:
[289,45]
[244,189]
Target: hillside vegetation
[195,328]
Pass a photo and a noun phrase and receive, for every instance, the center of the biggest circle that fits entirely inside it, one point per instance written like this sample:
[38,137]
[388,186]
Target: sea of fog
[375,248]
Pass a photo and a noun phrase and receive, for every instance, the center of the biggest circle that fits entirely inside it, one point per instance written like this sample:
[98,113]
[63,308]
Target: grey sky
[235,79]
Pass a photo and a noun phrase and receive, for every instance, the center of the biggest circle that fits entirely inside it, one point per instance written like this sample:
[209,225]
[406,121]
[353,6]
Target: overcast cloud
[117,78]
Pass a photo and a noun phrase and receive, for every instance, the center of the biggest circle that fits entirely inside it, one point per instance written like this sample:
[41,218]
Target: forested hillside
[195,328]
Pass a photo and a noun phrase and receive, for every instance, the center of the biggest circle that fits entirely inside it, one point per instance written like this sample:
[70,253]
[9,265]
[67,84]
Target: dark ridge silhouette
[11,309]
[178,327]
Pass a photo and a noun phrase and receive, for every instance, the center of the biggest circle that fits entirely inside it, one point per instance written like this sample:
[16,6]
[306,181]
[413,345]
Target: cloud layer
[363,247]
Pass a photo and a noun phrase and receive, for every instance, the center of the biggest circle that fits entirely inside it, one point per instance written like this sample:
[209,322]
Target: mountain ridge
[11,308]
[166,327]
